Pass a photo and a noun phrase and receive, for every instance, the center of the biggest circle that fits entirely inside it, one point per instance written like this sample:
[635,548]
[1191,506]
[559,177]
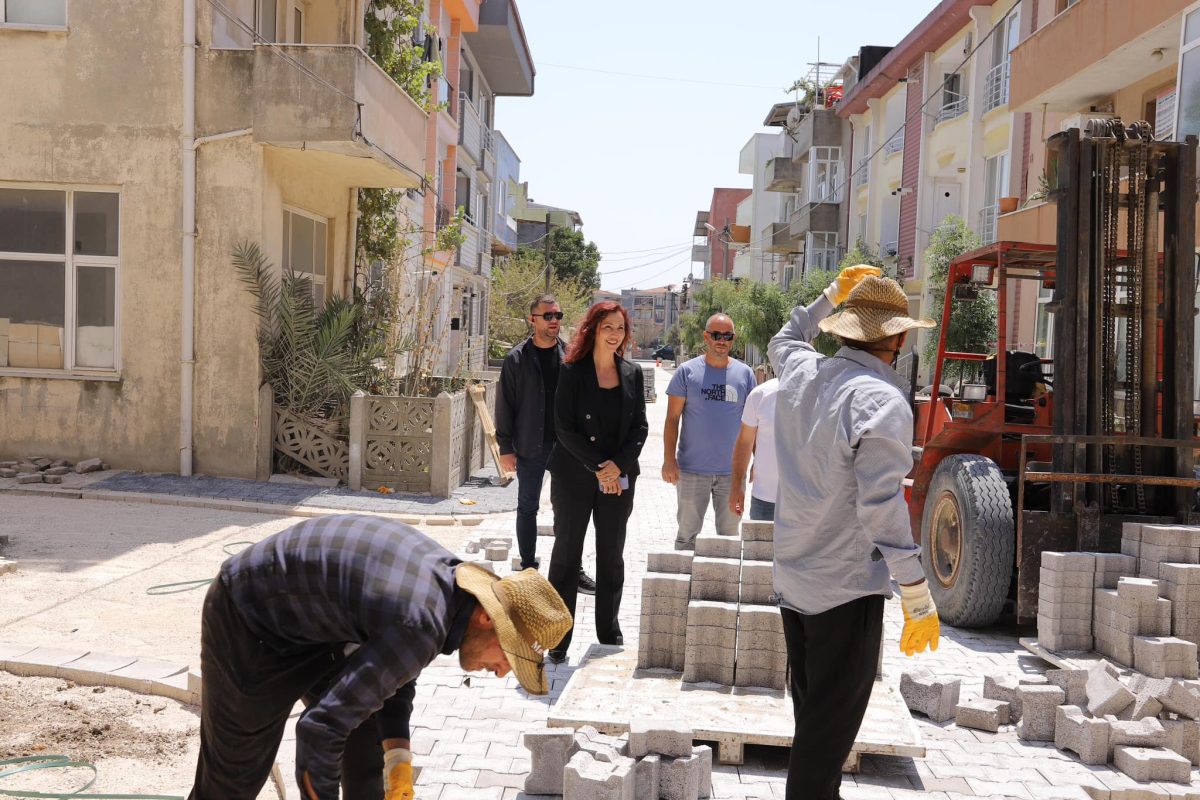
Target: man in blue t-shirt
[708,393]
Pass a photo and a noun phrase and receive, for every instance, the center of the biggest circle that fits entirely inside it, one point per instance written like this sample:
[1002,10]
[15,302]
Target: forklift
[1027,454]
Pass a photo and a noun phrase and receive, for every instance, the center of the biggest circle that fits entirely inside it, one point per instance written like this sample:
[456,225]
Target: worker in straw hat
[345,612]
[843,439]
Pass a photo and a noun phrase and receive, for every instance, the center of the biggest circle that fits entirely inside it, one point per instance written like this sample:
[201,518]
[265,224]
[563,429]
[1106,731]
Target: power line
[645,264]
[676,265]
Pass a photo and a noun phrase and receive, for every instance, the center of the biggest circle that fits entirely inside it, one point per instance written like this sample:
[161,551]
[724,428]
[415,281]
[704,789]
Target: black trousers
[575,503]
[833,657]
[247,695]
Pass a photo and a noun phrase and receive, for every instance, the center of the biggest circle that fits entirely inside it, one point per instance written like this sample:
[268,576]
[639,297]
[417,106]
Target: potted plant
[1008,204]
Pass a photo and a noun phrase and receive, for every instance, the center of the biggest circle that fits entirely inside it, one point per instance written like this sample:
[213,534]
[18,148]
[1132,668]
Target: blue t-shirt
[712,415]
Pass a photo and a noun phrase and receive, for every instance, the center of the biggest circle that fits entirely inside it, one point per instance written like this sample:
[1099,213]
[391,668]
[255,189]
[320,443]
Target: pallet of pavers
[712,654]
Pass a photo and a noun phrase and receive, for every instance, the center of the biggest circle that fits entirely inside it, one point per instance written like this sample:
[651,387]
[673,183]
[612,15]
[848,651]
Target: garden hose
[13,766]
[187,586]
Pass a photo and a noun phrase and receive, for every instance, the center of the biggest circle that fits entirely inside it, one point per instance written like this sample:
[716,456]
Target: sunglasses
[719,336]
[550,315]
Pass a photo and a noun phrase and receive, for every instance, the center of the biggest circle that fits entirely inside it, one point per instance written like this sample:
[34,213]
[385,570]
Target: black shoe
[586,584]
[535,565]
[557,656]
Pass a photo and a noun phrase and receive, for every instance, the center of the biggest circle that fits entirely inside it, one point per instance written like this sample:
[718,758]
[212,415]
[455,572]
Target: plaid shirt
[351,580]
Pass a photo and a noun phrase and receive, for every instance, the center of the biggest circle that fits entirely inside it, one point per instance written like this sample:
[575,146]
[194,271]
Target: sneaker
[586,584]
[557,656]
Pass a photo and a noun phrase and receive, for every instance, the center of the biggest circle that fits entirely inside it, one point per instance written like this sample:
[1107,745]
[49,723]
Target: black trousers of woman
[575,503]
[833,658]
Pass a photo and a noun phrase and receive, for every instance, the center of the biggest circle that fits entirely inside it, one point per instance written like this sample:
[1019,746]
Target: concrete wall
[77,113]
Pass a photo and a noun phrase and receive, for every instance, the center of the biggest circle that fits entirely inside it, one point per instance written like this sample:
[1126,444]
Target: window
[1164,116]
[825,175]
[266,19]
[1003,41]
[1187,82]
[58,303]
[42,13]
[954,102]
[995,183]
[821,250]
[297,24]
[1044,330]
[305,239]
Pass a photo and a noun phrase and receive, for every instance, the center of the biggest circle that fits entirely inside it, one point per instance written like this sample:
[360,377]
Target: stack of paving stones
[655,760]
[491,546]
[1139,608]
[648,390]
[1148,728]
[712,615]
[37,469]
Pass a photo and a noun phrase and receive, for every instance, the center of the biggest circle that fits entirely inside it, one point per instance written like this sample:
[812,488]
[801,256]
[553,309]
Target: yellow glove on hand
[921,626]
[846,280]
[398,774]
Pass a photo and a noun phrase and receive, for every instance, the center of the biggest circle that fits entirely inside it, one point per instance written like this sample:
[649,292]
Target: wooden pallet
[1070,659]
[489,429]
[607,690]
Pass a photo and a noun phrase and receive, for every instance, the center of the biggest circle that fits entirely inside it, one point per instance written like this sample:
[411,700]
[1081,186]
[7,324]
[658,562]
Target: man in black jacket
[525,420]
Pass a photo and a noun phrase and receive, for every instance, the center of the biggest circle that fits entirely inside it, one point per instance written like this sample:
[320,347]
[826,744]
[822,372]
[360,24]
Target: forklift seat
[1021,384]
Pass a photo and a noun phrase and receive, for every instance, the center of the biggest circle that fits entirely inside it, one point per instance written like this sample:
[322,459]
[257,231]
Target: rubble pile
[37,469]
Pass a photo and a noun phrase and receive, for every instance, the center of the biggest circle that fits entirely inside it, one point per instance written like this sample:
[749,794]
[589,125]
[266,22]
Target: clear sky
[637,156]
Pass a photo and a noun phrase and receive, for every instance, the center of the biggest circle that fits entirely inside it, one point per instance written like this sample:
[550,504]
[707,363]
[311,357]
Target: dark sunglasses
[550,315]
[719,336]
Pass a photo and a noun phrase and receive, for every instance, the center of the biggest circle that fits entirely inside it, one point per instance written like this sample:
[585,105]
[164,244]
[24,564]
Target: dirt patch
[137,743]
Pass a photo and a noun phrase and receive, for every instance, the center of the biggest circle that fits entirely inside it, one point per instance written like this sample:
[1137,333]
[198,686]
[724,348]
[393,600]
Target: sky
[637,157]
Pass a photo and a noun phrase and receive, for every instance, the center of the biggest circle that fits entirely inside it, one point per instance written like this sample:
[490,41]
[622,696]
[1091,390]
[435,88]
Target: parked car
[666,353]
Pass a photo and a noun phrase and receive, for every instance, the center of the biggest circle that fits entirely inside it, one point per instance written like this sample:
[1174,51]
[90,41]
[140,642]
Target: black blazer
[577,421]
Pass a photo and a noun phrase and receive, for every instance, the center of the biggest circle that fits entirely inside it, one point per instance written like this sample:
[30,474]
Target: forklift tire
[968,540]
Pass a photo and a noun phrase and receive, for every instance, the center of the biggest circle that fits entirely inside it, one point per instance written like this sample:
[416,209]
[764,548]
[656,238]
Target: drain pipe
[187,362]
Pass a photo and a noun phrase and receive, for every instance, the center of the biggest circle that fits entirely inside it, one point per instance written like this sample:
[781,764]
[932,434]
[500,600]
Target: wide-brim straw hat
[876,309]
[529,615]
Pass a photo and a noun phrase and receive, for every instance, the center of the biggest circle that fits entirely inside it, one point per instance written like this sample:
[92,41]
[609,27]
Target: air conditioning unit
[1081,120]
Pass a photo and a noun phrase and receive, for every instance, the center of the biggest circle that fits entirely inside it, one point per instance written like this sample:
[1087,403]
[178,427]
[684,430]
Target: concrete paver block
[667,737]
[716,579]
[645,776]
[981,714]
[710,545]
[1068,562]
[1135,733]
[42,661]
[1140,590]
[1178,699]
[758,530]
[678,562]
[758,551]
[92,668]
[549,750]
[680,778]
[1106,694]
[1038,704]
[705,754]
[1144,705]
[1087,737]
[1183,737]
[757,582]
[1146,764]
[585,777]
[1164,656]
[1004,688]
[924,693]
[1071,681]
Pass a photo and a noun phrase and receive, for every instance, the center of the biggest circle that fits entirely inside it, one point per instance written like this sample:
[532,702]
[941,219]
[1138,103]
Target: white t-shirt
[760,413]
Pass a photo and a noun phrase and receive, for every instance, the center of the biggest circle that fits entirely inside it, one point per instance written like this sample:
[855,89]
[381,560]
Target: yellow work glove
[921,625]
[398,774]
[846,280]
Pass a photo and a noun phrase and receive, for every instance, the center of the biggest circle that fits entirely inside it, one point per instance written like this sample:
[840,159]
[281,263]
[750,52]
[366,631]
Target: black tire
[968,560]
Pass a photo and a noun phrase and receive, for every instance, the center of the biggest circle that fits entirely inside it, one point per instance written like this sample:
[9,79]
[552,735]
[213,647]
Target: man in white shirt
[757,437]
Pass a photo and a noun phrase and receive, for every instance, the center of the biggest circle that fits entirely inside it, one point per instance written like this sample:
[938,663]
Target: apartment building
[716,254]
[508,178]
[652,313]
[762,254]
[933,133]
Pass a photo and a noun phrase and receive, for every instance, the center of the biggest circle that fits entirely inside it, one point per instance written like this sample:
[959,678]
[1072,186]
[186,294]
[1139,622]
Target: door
[947,199]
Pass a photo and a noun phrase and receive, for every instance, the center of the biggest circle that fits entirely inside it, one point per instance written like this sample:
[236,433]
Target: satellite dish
[793,118]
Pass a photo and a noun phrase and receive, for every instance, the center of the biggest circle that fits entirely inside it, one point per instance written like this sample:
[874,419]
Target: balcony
[784,175]
[488,166]
[779,239]
[987,223]
[995,86]
[950,110]
[470,129]
[700,253]
[1091,50]
[500,48]
[894,145]
[469,251]
[701,221]
[814,217]
[820,128]
[368,131]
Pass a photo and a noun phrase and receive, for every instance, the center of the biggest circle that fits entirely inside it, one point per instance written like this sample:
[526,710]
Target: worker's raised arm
[797,333]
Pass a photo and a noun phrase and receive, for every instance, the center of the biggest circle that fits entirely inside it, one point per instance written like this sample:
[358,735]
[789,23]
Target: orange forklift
[1023,454]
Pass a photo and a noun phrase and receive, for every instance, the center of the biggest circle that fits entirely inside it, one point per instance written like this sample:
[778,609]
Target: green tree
[572,257]
[759,311]
[863,253]
[805,292]
[515,283]
[972,321]
[712,297]
[390,25]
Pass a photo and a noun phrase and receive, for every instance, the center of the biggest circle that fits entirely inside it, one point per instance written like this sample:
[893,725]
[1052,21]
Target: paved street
[86,563]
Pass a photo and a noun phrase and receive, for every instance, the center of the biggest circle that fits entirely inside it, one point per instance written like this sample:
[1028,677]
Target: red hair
[585,338]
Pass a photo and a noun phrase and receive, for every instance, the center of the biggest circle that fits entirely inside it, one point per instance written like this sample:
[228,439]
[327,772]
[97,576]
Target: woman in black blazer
[600,418]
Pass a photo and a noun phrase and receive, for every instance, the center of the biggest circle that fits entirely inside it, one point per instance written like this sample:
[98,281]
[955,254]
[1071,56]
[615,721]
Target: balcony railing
[995,86]
[894,145]
[863,175]
[987,223]
[470,128]
[468,252]
[952,109]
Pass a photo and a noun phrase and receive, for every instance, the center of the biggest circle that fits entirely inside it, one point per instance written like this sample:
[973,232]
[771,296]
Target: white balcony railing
[863,175]
[468,252]
[995,86]
[952,109]
[987,223]
[894,145]
[470,128]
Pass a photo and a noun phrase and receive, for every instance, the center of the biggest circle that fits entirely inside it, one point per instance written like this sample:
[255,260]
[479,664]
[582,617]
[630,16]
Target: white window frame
[71,261]
[298,11]
[323,282]
[37,26]
[1185,47]
[829,161]
[823,257]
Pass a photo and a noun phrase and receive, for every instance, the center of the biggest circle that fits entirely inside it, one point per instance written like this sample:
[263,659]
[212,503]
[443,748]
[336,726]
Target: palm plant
[314,358]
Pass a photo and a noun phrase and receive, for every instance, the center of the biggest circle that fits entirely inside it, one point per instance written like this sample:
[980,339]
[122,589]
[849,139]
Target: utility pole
[548,229]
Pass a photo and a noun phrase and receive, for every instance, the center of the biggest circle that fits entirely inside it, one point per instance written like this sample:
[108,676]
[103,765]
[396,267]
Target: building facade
[760,213]
[715,254]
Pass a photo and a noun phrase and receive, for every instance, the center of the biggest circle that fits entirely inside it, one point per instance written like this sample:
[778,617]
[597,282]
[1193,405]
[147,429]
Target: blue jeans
[761,509]
[530,472]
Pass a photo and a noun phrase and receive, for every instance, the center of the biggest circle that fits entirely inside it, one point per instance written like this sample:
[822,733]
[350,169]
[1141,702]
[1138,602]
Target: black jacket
[521,401]
[577,421]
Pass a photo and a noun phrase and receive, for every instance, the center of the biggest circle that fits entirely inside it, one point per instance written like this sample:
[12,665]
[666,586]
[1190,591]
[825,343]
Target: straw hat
[876,309]
[529,615]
